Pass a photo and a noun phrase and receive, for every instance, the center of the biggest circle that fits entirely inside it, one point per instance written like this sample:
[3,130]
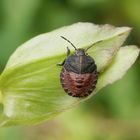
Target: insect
[79,74]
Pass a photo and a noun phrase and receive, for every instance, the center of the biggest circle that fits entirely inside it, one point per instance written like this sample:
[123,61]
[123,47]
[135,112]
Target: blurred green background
[112,114]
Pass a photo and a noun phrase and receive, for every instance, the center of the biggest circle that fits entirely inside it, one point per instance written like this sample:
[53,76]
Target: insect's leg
[61,64]
[68,51]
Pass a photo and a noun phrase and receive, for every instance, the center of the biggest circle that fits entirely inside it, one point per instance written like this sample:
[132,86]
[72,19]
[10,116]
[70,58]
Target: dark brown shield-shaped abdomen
[78,85]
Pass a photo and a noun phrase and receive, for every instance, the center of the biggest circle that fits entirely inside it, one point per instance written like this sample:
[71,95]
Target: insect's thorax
[80,64]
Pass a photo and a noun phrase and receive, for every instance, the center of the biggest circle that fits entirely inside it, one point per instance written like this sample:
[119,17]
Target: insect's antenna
[69,42]
[93,45]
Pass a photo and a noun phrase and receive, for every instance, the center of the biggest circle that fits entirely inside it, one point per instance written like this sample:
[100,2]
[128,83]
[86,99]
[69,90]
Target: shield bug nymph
[79,72]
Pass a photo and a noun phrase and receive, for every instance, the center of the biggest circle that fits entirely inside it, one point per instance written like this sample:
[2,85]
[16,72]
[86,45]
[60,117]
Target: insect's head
[80,52]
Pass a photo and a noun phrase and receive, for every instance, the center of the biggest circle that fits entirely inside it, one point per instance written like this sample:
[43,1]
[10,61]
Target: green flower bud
[30,89]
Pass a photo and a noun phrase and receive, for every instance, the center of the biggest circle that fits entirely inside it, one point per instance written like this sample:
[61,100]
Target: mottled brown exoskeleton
[79,72]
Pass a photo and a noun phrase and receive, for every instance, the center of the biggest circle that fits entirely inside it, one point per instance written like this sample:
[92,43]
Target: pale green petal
[124,59]
[50,44]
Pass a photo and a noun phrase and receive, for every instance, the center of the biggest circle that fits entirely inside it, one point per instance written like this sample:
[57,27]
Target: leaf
[30,83]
